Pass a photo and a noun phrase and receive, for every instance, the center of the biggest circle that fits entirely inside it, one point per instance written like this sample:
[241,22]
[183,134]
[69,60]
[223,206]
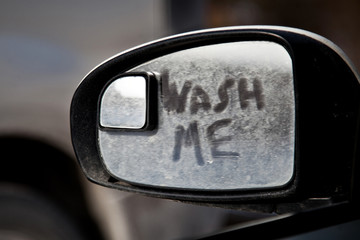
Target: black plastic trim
[293,225]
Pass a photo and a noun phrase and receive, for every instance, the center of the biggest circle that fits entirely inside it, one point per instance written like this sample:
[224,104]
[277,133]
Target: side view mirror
[260,117]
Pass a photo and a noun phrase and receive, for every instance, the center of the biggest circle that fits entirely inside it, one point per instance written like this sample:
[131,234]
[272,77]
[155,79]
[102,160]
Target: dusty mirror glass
[226,119]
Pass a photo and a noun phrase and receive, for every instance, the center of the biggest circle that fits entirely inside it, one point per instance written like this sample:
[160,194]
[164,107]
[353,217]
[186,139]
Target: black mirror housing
[311,110]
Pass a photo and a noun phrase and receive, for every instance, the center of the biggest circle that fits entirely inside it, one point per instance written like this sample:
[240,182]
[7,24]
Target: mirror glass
[123,104]
[226,120]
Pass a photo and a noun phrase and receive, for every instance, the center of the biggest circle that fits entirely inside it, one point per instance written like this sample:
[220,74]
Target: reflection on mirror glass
[123,104]
[226,121]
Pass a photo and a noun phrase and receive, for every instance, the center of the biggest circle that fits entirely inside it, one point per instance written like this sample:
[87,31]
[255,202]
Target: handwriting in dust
[175,101]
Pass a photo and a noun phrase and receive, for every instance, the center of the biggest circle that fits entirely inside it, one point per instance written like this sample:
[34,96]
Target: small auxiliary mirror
[123,104]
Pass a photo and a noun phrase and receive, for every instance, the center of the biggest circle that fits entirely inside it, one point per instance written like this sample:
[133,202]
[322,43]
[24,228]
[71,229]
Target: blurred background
[47,47]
